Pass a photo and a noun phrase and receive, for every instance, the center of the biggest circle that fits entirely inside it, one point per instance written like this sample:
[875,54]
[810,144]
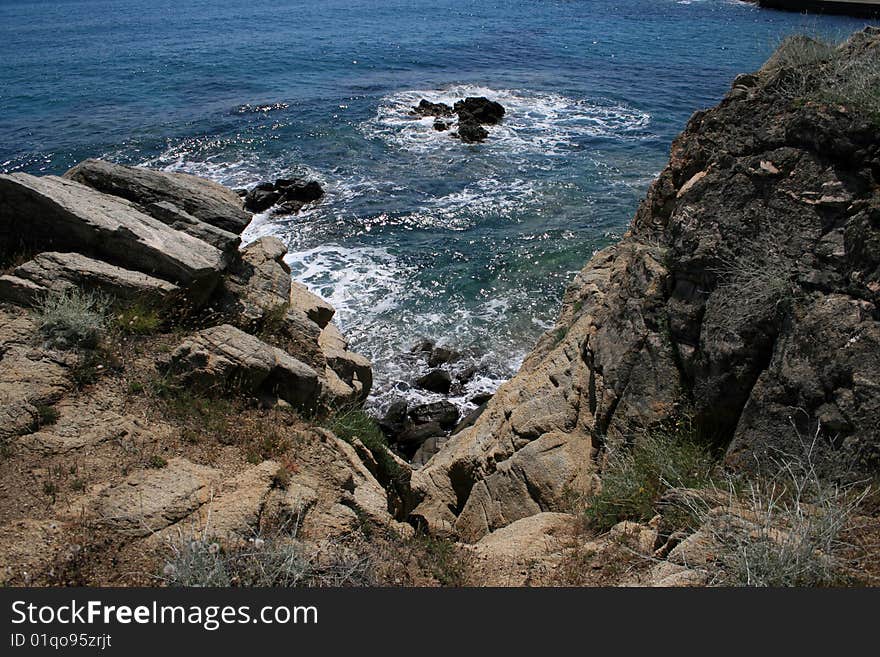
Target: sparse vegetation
[139,318]
[156,462]
[352,423]
[46,415]
[811,69]
[635,476]
[279,560]
[787,529]
[72,318]
[754,287]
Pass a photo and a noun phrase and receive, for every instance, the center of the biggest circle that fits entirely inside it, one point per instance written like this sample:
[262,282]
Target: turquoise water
[419,235]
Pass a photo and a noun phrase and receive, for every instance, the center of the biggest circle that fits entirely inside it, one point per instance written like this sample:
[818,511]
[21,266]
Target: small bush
[46,415]
[635,476]
[279,560]
[793,530]
[352,423]
[72,318]
[754,287]
[137,319]
[157,462]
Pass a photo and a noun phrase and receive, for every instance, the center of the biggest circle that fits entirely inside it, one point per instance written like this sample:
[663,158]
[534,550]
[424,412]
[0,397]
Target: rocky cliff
[744,297]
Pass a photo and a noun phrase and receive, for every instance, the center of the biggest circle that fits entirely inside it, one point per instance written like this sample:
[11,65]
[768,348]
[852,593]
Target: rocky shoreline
[169,396]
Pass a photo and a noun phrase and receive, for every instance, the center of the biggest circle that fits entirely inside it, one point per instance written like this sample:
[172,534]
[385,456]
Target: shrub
[352,423]
[137,319]
[72,318]
[810,69]
[793,532]
[754,286]
[46,415]
[635,476]
[278,560]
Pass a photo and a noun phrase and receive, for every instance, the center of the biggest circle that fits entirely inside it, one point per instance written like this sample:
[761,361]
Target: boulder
[480,109]
[437,380]
[56,272]
[442,355]
[471,132]
[348,365]
[315,308]
[537,478]
[258,286]
[51,212]
[178,219]
[427,108]
[444,413]
[204,199]
[224,357]
[289,194]
[150,500]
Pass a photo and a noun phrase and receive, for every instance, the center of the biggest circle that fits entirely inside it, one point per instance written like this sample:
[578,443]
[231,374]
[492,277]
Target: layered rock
[55,213]
[55,272]
[745,295]
[200,198]
[224,357]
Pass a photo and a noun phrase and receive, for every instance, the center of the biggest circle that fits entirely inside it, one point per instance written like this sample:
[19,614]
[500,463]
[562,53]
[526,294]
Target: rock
[315,308]
[258,288]
[444,413]
[413,435]
[441,356]
[60,271]
[150,500]
[422,346]
[441,126]
[470,132]
[481,109]
[350,367]
[289,194]
[395,419]
[178,219]
[536,478]
[481,398]
[29,377]
[438,381]
[427,108]
[201,198]
[471,418]
[427,449]
[52,212]
[224,357]
[528,552]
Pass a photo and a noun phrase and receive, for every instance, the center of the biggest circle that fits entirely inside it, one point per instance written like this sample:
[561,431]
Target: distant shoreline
[866,8]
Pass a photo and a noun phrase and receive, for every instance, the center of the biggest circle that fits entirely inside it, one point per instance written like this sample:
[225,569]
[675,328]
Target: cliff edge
[744,298]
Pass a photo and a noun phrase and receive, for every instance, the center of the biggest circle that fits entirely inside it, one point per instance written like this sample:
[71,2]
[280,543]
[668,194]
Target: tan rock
[150,500]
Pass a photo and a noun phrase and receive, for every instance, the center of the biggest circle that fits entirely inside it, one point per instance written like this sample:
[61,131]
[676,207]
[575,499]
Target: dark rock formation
[427,108]
[473,113]
[435,381]
[479,110]
[290,195]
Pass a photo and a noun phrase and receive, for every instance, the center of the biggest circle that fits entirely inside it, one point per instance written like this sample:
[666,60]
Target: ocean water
[419,235]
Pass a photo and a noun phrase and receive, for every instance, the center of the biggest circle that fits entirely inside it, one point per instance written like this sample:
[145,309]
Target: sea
[419,235]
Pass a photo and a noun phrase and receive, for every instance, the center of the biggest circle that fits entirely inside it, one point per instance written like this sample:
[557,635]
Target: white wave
[360,282]
[461,210]
[534,122]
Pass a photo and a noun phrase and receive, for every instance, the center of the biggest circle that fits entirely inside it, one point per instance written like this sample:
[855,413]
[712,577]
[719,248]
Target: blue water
[419,235]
